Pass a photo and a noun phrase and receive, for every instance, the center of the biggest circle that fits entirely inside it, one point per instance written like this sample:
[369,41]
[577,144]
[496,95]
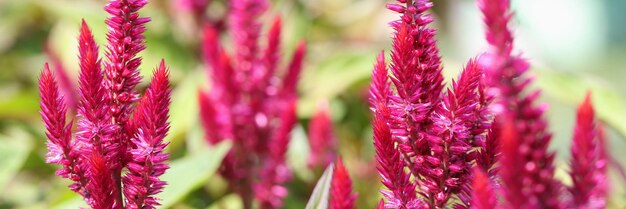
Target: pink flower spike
[588,164]
[321,138]
[453,129]
[142,181]
[341,194]
[92,107]
[125,40]
[483,196]
[401,191]
[61,148]
[293,70]
[379,89]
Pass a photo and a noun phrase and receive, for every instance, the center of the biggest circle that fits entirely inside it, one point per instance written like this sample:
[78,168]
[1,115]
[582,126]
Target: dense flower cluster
[431,143]
[111,133]
[251,103]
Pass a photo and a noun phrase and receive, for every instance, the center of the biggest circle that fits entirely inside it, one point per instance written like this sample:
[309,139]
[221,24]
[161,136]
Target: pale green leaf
[319,197]
[190,173]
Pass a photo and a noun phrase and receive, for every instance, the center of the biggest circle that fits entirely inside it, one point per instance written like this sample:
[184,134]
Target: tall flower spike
[270,192]
[447,169]
[94,130]
[246,30]
[483,196]
[511,162]
[125,40]
[321,138]
[416,75]
[588,166]
[142,181]
[401,192]
[341,195]
[247,102]
[505,74]
[379,89]
[61,148]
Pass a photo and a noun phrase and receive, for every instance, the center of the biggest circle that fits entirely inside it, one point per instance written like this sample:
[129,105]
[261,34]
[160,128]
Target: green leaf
[320,195]
[298,153]
[190,173]
[229,201]
[13,153]
[184,107]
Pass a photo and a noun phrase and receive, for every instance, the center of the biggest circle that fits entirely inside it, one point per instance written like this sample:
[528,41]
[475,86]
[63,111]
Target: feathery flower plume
[125,40]
[321,138]
[401,192]
[94,160]
[483,196]
[247,103]
[588,164]
[147,153]
[61,148]
[505,74]
[341,195]
[269,190]
[447,169]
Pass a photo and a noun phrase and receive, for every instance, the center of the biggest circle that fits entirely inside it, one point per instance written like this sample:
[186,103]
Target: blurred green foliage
[575,46]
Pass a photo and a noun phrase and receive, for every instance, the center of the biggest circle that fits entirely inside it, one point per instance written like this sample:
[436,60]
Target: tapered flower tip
[341,188]
[585,110]
[46,78]
[381,204]
[277,24]
[295,67]
[482,191]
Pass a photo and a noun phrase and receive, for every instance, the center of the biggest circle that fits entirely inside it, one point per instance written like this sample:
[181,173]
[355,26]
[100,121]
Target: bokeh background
[573,45]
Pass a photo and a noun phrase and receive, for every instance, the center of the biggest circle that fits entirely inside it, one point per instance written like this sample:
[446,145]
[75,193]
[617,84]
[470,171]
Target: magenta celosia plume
[251,102]
[434,130]
[108,138]
[322,139]
[429,141]
[589,162]
[534,168]
[341,194]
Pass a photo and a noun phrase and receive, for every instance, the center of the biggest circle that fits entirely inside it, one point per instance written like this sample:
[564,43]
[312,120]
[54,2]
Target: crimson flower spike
[483,196]
[61,148]
[95,159]
[125,40]
[401,191]
[416,76]
[505,74]
[341,194]
[148,163]
[321,138]
[92,115]
[248,97]
[447,169]
[588,164]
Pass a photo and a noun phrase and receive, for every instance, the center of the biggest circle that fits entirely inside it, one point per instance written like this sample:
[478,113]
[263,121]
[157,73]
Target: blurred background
[573,45]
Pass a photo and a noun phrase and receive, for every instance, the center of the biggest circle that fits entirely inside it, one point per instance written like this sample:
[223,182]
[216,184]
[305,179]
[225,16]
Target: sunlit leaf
[190,173]
[13,154]
[320,195]
[229,201]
